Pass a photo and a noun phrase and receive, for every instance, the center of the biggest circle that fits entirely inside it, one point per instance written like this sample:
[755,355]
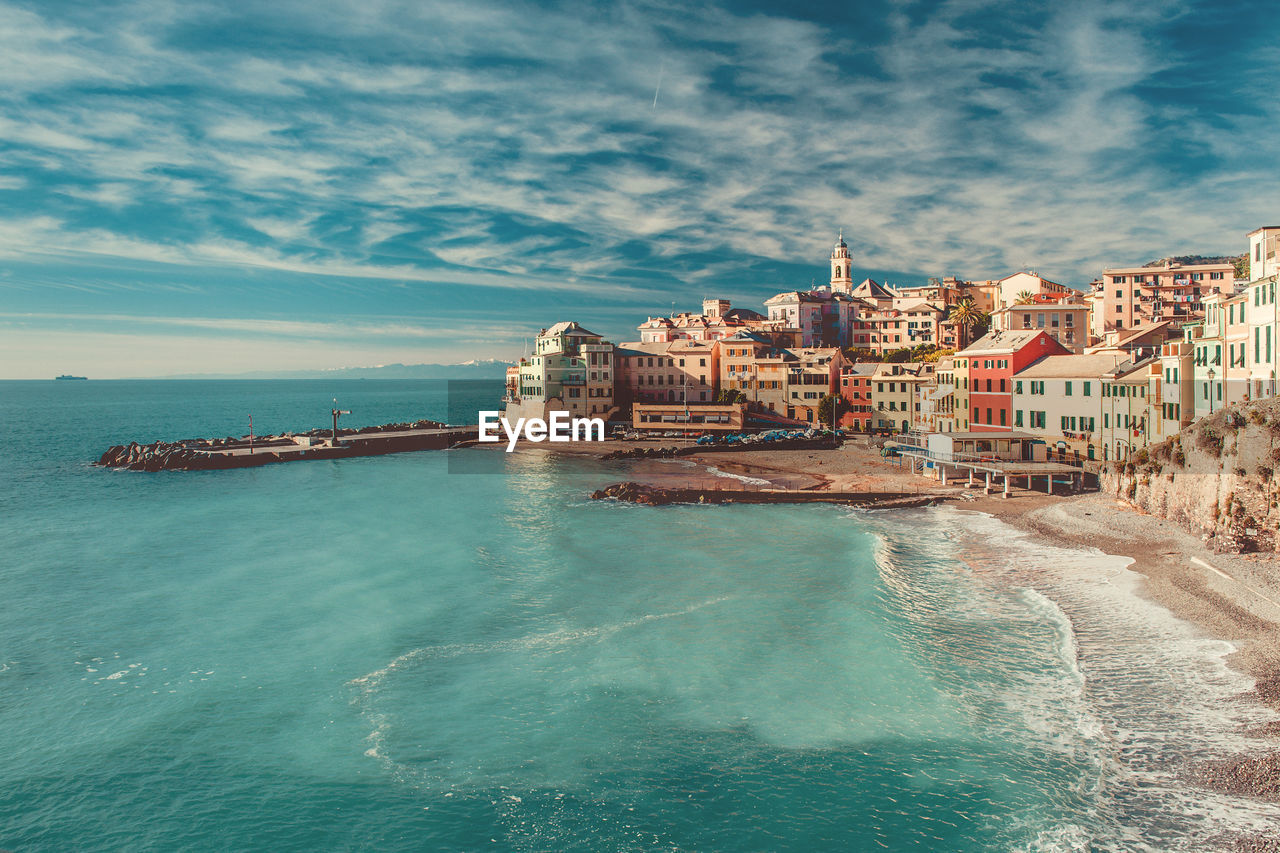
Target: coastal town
[1086,374]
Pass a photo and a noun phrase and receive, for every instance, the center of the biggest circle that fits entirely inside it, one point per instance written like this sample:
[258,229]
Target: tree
[1025,297]
[860,354]
[829,409]
[1242,266]
[730,396]
[966,315]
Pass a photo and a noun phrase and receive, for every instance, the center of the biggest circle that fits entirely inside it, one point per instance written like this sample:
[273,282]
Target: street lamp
[1211,375]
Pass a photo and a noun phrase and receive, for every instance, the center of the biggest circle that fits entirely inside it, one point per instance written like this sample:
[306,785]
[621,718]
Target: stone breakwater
[640,493]
[208,454]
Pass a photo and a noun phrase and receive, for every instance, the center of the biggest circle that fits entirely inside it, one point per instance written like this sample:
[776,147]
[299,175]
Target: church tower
[841,268]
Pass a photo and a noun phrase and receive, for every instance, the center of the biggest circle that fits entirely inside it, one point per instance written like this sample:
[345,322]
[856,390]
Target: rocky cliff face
[1216,477]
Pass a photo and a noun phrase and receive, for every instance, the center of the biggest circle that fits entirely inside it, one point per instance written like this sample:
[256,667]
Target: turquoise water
[388,654]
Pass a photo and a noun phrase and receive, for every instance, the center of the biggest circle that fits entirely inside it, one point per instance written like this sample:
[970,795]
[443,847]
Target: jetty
[214,454]
[641,493]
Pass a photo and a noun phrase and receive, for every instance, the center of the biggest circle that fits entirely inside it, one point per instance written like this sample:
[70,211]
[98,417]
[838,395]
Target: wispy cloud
[487,150]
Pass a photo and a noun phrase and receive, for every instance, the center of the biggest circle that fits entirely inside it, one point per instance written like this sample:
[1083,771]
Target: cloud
[489,147]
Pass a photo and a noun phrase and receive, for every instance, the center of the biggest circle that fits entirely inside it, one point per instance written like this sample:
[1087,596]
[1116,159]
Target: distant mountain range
[475,369]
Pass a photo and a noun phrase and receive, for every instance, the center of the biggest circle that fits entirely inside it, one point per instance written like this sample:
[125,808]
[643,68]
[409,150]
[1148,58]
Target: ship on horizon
[69,376]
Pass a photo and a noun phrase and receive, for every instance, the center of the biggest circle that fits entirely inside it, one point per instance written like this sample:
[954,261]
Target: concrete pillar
[1006,485]
[971,478]
[987,489]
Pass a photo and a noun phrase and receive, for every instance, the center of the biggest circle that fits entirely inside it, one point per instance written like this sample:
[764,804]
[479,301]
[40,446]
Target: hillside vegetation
[1216,477]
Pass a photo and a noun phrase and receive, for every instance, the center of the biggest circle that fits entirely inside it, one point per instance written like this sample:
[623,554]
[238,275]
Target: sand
[1230,597]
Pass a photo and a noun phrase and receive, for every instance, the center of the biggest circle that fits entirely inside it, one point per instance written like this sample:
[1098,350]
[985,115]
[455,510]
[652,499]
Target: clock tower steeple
[841,267]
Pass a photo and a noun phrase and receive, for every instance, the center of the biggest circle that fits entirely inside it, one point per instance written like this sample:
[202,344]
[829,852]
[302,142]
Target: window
[1004,416]
[1017,387]
[1017,418]
[1088,388]
[1067,387]
[1215,276]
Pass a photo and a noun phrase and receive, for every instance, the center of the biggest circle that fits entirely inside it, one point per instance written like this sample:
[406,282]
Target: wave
[368,686]
[1129,694]
[742,478]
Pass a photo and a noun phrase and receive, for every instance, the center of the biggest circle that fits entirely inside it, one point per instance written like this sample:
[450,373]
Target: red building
[991,362]
[855,392]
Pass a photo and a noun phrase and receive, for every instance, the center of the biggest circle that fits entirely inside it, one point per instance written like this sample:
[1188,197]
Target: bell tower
[841,268]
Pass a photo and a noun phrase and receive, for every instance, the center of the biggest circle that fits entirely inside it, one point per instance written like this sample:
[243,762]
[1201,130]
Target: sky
[190,187]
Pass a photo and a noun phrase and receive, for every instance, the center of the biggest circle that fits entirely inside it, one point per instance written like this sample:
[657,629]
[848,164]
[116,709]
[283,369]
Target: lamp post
[336,413]
[1211,375]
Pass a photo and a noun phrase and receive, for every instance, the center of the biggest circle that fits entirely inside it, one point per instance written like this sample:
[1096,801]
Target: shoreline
[1233,598]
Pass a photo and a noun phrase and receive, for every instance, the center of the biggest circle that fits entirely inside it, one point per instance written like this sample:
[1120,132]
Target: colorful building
[568,361]
[992,362]
[1142,295]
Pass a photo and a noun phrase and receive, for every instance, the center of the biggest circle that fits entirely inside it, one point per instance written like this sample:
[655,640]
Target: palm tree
[1025,297]
[965,315]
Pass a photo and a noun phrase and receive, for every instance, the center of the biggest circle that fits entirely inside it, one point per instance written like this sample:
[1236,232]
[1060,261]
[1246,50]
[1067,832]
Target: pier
[991,461]
[216,454]
[642,493]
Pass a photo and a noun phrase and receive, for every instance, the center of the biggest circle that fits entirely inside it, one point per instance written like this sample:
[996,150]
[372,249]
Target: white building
[1059,400]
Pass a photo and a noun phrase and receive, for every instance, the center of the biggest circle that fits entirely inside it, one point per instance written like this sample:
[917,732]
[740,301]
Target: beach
[1231,597]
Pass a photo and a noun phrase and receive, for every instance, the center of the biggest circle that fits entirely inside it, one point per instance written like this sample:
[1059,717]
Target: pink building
[1132,296]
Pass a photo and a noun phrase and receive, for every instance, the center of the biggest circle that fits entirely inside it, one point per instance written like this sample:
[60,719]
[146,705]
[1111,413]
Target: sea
[408,652]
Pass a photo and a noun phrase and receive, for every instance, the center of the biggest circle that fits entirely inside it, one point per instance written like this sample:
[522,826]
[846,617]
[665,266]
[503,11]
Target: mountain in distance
[489,368]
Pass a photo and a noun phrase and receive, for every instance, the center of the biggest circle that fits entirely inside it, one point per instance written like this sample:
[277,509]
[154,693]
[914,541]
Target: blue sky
[190,186]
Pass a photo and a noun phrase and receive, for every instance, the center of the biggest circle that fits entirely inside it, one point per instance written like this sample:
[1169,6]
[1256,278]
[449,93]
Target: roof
[969,436]
[1033,275]
[1141,332]
[1128,370]
[1052,300]
[1001,342]
[743,336]
[803,296]
[1071,366]
[1163,269]
[568,328]
[921,305]
[872,289]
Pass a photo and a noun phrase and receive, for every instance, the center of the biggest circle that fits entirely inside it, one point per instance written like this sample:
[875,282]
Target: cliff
[1215,478]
